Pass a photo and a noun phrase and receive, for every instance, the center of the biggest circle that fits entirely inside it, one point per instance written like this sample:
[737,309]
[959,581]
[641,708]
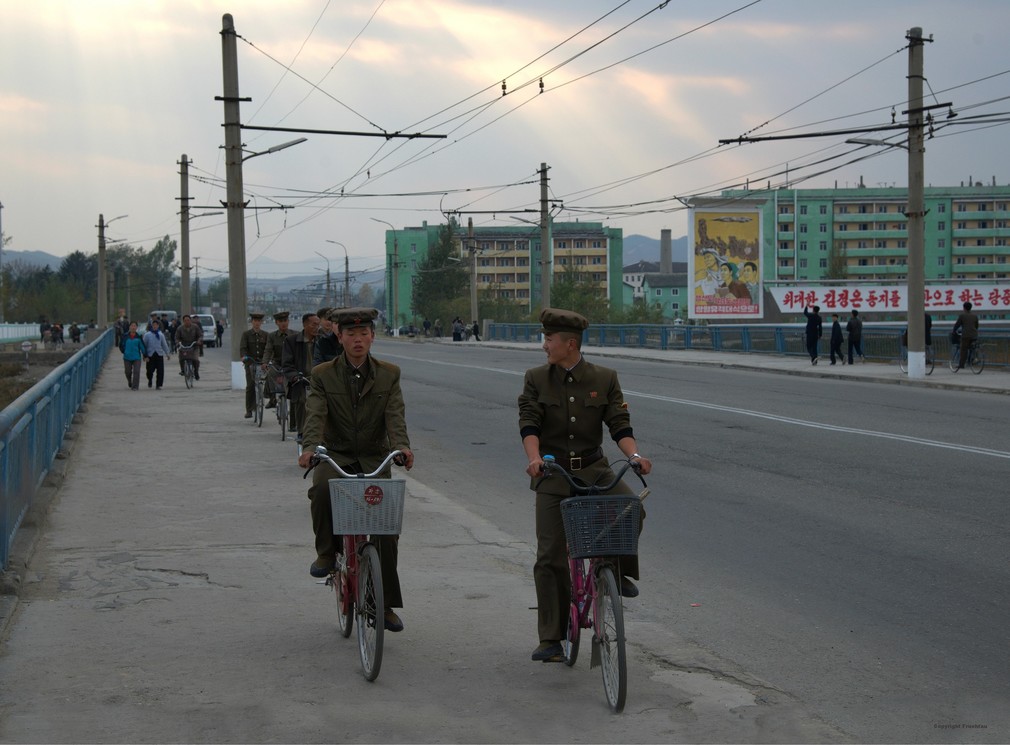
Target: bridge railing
[881,341]
[32,429]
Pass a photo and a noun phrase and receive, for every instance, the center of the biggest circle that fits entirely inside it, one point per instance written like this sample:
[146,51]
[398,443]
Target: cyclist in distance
[252,346]
[296,359]
[274,351]
[186,334]
[355,408]
[563,409]
[967,324]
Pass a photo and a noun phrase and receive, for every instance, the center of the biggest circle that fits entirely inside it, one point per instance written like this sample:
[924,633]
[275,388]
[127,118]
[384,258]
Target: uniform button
[573,419]
[571,399]
[571,453]
[571,437]
[569,380]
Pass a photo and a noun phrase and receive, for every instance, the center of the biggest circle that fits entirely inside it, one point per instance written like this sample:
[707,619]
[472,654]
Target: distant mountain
[643,248]
[33,258]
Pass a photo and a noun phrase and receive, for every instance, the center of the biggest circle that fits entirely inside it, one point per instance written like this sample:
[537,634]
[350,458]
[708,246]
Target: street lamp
[328,294]
[103,279]
[347,274]
[392,304]
[273,149]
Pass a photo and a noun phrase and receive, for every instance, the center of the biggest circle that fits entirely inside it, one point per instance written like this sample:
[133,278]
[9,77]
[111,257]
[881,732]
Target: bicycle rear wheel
[260,402]
[976,360]
[282,416]
[903,358]
[610,638]
[345,598]
[371,612]
[955,358]
[930,360]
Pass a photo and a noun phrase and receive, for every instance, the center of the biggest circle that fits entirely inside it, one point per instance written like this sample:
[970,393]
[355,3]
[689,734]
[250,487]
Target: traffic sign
[26,346]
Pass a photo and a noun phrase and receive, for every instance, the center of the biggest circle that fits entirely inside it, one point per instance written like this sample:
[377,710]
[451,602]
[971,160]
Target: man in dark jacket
[836,339]
[296,364]
[814,331]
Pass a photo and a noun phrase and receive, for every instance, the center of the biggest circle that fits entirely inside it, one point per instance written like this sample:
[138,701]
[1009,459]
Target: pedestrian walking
[813,332]
[157,351]
[133,349]
[476,331]
[854,328]
[836,339]
[967,324]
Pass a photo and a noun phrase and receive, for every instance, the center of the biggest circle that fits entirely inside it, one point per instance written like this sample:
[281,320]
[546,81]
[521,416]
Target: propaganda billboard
[869,298]
[725,265]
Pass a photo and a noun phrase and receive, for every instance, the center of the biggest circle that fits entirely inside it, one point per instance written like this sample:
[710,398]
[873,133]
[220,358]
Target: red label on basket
[373,494]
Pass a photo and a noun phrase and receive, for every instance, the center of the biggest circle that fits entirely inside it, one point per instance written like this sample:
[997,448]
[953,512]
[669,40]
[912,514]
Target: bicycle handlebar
[321,455]
[551,466]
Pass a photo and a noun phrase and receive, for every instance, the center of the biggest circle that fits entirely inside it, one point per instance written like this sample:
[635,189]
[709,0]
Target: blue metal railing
[880,340]
[32,429]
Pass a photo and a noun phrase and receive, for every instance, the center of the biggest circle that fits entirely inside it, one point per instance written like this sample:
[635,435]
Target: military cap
[282,316]
[556,319]
[256,316]
[349,318]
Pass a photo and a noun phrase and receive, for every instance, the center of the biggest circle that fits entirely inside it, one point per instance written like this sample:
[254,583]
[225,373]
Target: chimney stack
[665,251]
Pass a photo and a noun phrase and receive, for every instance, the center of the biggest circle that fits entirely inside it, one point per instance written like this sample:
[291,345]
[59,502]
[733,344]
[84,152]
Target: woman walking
[132,346]
[156,346]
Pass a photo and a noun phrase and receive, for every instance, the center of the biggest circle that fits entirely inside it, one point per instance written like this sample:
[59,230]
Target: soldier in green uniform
[252,346]
[563,408]
[274,353]
[354,408]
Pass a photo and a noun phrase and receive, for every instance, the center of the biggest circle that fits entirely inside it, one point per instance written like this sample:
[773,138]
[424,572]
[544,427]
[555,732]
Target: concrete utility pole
[2,302]
[238,314]
[187,306]
[345,301]
[545,242]
[916,210]
[328,302]
[103,284]
[473,271]
[392,302]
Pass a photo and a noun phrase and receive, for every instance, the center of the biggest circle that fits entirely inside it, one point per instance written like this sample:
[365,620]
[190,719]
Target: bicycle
[185,352]
[903,355]
[259,375]
[363,506]
[597,528]
[281,410]
[976,356]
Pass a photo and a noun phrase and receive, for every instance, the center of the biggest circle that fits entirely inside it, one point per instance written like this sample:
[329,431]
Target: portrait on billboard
[725,264]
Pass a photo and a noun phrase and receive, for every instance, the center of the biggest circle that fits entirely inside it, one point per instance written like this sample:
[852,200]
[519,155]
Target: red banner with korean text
[892,298]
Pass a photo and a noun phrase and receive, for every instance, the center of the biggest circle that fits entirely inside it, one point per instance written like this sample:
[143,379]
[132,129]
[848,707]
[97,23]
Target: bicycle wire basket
[602,525]
[367,506]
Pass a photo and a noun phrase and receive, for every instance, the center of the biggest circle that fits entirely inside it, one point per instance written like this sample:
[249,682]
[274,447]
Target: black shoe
[392,622]
[548,652]
[248,415]
[832,363]
[181,372]
[150,383]
[271,405]
[196,376]
[628,588]
[321,568]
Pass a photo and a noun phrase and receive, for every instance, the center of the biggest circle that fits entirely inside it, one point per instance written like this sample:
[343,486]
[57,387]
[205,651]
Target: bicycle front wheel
[977,360]
[903,358]
[955,358]
[189,373]
[371,612]
[610,638]
[930,360]
[345,599]
[570,644]
[282,416]
[260,402]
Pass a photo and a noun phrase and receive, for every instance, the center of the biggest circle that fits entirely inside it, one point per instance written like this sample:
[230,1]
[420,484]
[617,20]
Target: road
[823,561]
[844,542]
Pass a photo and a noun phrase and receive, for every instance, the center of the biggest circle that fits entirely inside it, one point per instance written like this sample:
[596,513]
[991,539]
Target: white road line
[757,414]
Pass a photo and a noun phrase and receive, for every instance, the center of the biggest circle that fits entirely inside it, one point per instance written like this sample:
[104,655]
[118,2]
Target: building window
[958,244]
[980,242]
[824,209]
[674,291]
[803,245]
[881,208]
[597,244]
[864,226]
[562,261]
[843,209]
[784,263]
[824,245]
[902,244]
[597,259]
[580,244]
[862,244]
[863,262]
[783,245]
[843,228]
[983,206]
[783,209]
[982,260]
[824,227]
[983,224]
[803,228]
[941,261]
[962,225]
[941,208]
[962,207]
[803,263]
[824,263]
[562,244]
[959,260]
[659,292]
[942,243]
[785,227]
[942,225]
[803,209]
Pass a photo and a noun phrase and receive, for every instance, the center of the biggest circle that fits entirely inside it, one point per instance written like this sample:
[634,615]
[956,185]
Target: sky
[100,99]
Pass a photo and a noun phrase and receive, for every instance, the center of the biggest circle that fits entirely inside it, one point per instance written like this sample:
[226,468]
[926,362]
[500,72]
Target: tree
[441,287]
[837,263]
[569,290]
[80,270]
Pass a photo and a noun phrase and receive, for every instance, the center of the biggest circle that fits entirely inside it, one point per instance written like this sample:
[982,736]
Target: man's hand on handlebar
[642,465]
[535,468]
[305,459]
[407,458]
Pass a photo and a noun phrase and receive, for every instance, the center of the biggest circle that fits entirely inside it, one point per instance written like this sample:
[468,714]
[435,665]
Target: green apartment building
[862,233]
[508,261]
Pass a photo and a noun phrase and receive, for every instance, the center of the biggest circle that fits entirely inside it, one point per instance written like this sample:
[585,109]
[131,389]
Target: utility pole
[129,314]
[473,271]
[238,310]
[916,209]
[196,261]
[103,285]
[347,280]
[545,242]
[2,301]
[187,306]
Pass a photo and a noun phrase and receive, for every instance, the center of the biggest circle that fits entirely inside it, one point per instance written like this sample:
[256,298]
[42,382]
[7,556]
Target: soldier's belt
[578,462]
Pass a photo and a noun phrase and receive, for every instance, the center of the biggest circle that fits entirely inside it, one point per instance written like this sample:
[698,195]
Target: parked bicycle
[186,353]
[903,355]
[363,506]
[599,528]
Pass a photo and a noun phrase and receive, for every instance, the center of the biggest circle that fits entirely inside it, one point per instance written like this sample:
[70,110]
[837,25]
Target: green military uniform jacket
[275,346]
[358,419]
[253,344]
[568,410]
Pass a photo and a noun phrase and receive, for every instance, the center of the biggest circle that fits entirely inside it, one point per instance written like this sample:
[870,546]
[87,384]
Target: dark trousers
[812,347]
[551,575]
[328,545]
[855,345]
[965,346]
[836,349]
[250,386]
[156,366]
[132,368]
